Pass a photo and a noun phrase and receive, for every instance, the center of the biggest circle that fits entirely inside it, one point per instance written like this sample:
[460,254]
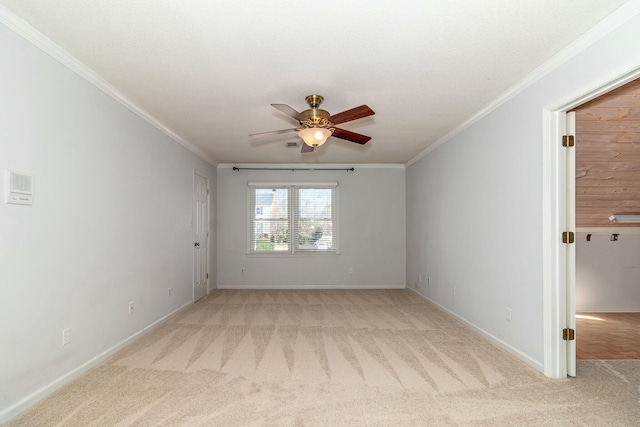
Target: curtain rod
[235,168]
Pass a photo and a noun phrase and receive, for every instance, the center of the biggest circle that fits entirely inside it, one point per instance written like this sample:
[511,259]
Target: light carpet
[331,358]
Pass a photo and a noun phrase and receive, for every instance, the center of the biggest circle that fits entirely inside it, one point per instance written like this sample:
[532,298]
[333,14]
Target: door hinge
[568,237]
[568,140]
[207,275]
[568,334]
[207,191]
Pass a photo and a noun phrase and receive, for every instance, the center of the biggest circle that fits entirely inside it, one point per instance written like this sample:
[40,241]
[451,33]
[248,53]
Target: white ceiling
[208,69]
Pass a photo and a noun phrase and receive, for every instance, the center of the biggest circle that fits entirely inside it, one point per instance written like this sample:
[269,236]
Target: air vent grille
[19,183]
[18,188]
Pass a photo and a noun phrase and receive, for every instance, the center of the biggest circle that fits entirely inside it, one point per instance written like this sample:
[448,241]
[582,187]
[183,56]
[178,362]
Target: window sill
[290,255]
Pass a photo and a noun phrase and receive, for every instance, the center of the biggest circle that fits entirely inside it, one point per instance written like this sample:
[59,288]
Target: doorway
[608,253]
[558,267]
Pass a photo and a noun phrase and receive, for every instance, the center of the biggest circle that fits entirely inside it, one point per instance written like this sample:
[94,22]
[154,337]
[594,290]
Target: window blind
[270,220]
[314,216]
[293,218]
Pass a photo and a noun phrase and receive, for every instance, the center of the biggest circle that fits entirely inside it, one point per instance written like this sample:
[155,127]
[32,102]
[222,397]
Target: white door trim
[554,215]
[570,250]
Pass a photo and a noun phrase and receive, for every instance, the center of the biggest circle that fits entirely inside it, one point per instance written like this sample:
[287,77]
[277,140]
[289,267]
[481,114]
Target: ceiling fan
[317,125]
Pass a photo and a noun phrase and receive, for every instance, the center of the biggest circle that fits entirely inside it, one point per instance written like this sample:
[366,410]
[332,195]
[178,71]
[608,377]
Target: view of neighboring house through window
[293,218]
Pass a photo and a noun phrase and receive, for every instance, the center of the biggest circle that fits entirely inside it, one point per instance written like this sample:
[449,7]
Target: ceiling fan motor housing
[316,117]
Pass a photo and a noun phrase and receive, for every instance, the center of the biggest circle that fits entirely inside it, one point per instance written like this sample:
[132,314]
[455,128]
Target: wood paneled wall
[608,157]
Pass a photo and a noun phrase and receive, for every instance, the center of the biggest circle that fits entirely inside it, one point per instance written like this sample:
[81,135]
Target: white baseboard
[30,400]
[497,341]
[599,309]
[256,287]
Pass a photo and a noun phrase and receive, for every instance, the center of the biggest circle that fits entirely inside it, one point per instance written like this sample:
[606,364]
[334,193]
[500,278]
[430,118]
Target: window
[293,218]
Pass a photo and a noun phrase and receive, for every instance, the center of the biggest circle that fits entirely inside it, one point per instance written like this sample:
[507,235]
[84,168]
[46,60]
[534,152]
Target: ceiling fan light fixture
[314,137]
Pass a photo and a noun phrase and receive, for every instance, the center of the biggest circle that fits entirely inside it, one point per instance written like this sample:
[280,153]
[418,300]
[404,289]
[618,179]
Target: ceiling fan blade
[273,132]
[306,148]
[350,136]
[289,111]
[352,114]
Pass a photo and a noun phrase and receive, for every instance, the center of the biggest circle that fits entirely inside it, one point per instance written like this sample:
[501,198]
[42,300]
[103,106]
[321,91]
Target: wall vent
[292,144]
[19,188]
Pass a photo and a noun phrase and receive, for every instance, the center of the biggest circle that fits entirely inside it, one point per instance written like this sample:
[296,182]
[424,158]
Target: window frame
[293,217]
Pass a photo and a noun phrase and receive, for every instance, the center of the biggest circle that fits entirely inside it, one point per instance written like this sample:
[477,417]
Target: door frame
[193,268]
[554,217]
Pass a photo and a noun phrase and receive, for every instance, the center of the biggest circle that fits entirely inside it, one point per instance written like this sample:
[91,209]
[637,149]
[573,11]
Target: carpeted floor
[331,358]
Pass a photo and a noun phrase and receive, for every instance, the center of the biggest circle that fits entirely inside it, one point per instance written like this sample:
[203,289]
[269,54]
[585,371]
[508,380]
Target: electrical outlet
[66,336]
[508,314]
[169,292]
[130,308]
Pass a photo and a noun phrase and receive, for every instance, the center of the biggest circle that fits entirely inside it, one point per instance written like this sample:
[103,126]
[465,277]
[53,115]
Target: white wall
[474,215]
[371,232]
[110,223]
[608,272]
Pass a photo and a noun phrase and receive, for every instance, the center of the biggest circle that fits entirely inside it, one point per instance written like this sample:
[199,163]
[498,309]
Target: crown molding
[26,31]
[317,166]
[616,19]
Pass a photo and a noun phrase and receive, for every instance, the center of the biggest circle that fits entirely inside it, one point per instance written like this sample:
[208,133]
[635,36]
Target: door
[571,248]
[200,236]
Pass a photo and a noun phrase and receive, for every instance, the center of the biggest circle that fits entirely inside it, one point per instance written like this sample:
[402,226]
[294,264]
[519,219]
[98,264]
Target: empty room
[317,213]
